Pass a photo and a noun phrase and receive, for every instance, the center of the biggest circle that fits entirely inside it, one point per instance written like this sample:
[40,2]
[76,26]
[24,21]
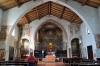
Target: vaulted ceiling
[50,8]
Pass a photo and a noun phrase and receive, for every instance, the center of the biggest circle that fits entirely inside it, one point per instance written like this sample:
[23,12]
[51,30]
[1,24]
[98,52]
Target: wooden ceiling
[7,4]
[50,8]
[93,3]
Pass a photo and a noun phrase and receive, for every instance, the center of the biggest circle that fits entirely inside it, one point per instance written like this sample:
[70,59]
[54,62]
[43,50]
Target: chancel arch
[51,35]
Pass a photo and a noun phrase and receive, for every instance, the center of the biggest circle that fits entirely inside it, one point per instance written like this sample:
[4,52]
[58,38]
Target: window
[88,31]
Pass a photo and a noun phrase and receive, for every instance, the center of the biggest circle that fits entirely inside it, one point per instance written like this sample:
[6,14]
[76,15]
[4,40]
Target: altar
[50,58]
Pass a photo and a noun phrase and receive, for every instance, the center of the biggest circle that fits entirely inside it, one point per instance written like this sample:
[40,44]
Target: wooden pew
[8,63]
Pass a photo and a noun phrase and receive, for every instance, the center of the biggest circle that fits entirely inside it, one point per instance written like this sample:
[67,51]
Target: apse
[49,37]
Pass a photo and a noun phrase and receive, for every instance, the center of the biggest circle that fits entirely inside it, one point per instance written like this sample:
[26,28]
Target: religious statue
[50,47]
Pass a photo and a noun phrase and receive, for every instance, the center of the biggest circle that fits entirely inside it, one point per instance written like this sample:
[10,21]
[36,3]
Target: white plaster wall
[1,12]
[99,12]
[2,44]
[5,17]
[98,18]
[11,41]
[88,13]
[87,40]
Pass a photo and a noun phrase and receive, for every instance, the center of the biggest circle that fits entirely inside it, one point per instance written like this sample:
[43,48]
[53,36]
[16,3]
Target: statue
[50,47]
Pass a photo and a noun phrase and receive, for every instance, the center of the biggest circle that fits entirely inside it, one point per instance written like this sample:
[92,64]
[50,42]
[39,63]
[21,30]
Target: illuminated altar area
[49,42]
[49,36]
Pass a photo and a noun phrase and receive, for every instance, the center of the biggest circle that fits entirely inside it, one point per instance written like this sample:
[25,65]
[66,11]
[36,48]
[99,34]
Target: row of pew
[10,63]
[80,62]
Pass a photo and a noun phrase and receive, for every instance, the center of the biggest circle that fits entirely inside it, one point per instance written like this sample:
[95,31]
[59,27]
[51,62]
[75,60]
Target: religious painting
[2,54]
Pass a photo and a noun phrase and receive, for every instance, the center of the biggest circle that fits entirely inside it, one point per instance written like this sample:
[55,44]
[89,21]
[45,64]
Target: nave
[56,32]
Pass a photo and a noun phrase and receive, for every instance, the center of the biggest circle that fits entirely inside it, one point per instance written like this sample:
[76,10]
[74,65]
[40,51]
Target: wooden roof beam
[37,10]
[73,18]
[28,19]
[84,2]
[18,3]
[98,3]
[49,8]
[63,12]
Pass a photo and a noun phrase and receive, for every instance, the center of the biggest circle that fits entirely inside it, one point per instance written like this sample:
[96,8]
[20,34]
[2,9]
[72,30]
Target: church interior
[57,32]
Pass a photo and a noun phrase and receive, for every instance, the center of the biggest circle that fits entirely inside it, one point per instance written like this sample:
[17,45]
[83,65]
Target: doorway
[90,52]
[75,47]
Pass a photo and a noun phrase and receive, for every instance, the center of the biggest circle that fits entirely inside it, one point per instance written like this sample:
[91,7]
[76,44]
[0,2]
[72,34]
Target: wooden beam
[28,19]
[37,10]
[49,8]
[84,2]
[95,1]
[18,3]
[73,18]
[62,12]
[98,3]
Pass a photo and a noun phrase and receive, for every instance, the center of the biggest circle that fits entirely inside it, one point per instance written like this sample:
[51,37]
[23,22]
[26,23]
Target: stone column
[17,45]
[6,51]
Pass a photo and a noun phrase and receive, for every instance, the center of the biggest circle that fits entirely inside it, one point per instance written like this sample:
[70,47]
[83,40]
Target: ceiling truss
[51,8]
